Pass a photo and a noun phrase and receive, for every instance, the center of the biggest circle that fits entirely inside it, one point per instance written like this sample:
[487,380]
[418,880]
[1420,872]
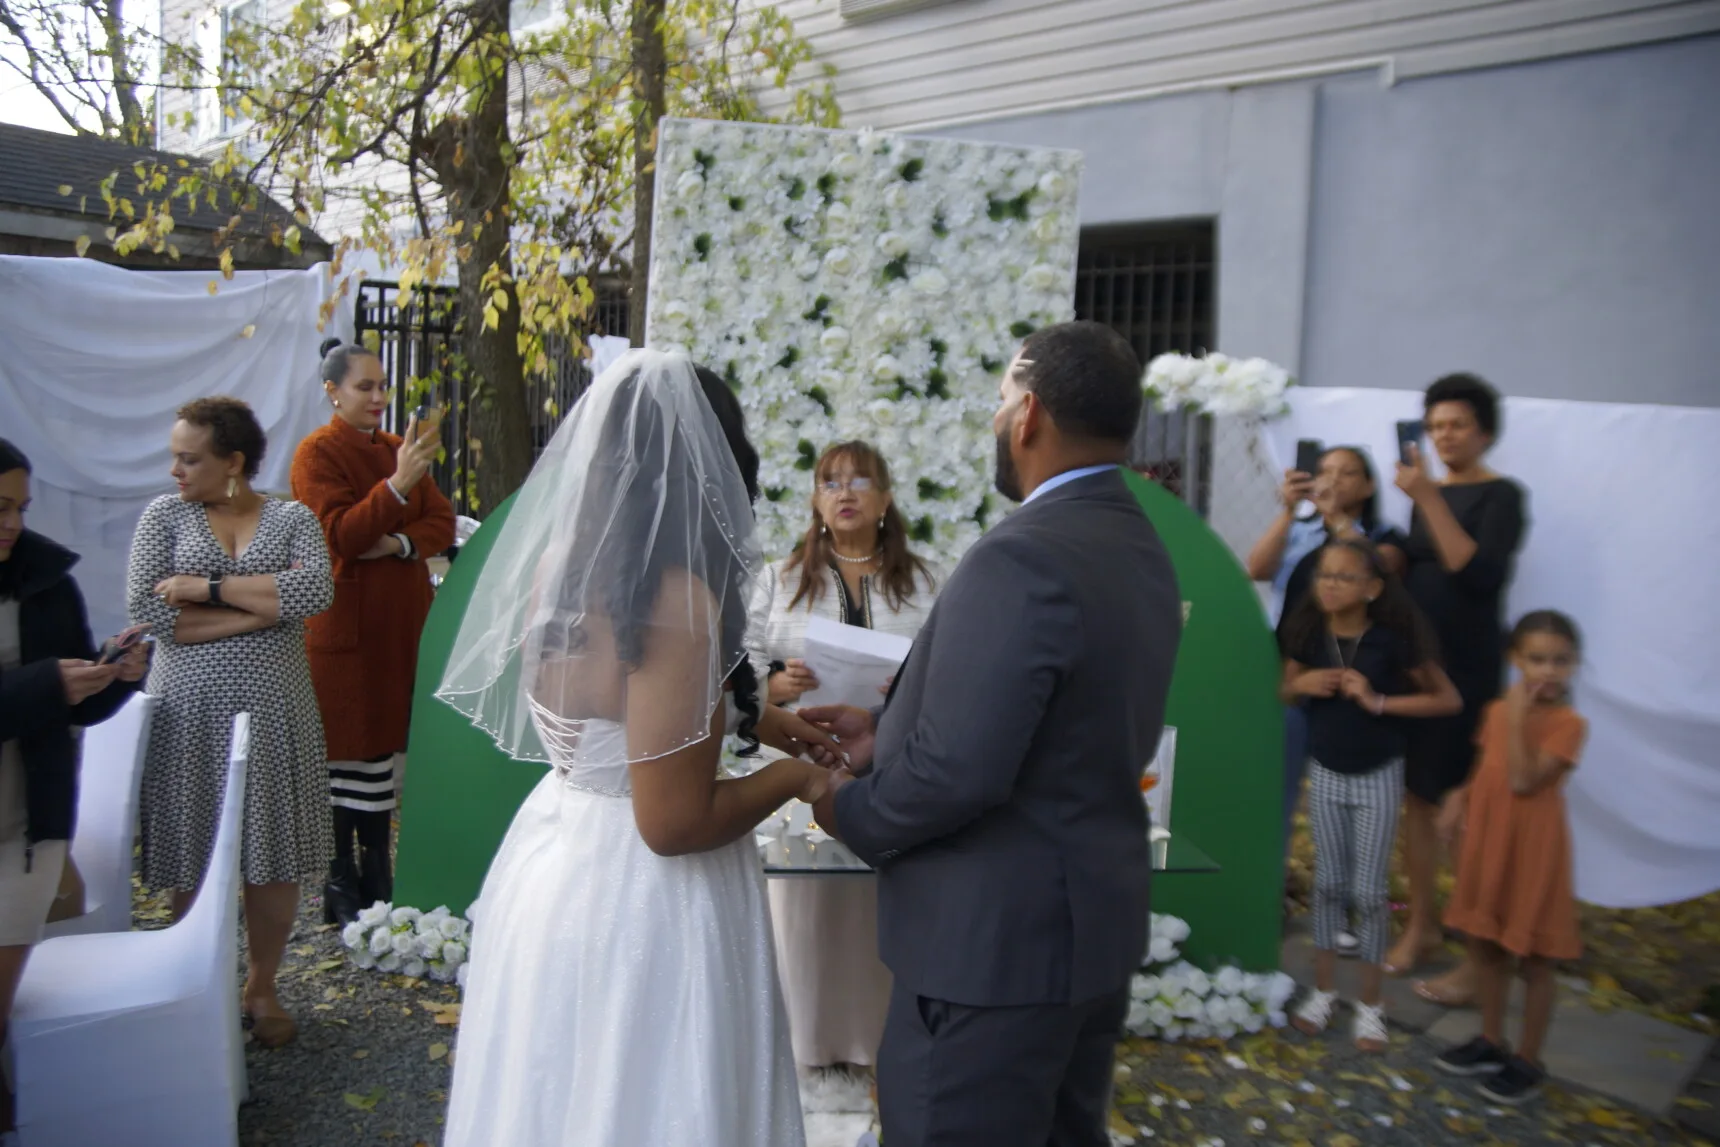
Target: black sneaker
[1477,1057]
[1517,1083]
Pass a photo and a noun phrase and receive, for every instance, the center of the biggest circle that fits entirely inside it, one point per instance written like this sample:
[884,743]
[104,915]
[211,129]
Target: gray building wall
[1554,226]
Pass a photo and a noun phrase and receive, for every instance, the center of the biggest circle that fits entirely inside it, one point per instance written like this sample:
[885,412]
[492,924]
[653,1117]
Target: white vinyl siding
[967,60]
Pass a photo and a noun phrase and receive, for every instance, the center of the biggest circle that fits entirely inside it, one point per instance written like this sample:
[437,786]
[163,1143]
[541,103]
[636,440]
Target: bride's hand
[816,781]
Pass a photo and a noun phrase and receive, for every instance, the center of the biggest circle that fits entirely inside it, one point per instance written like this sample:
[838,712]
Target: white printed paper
[852,664]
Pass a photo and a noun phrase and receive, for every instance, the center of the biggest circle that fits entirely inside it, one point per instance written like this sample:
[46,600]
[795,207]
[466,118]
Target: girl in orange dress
[1513,895]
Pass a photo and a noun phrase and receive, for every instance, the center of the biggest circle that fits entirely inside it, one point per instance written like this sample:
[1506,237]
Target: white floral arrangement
[862,285]
[1171,999]
[424,945]
[1218,384]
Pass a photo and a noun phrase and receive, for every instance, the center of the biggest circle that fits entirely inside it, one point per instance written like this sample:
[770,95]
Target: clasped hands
[838,739]
[1349,683]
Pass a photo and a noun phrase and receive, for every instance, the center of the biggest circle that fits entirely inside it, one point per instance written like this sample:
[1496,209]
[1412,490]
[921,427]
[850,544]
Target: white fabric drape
[96,360]
[1624,537]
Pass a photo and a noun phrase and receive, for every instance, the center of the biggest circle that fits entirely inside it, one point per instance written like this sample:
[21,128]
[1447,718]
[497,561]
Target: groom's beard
[1005,476]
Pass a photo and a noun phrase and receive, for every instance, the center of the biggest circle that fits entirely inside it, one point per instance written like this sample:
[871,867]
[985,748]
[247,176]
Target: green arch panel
[462,791]
[1228,788]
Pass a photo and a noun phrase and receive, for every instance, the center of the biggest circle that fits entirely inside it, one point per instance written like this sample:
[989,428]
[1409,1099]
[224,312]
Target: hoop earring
[232,488]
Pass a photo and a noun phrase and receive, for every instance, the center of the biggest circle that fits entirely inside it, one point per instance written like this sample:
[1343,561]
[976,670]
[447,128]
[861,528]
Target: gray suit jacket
[1004,812]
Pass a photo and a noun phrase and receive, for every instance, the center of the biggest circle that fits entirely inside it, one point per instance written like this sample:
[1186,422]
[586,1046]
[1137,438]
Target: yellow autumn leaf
[82,245]
[65,189]
[438,1051]
[499,299]
[1343,1141]
[246,332]
[212,287]
[1605,1117]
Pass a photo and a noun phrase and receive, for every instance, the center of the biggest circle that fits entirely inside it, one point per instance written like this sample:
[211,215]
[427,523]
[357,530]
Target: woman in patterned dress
[854,567]
[227,576]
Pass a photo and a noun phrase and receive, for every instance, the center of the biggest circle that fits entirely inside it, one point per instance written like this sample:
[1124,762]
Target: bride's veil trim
[638,480]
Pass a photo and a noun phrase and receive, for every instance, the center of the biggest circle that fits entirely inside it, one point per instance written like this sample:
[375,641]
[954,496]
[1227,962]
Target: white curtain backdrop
[1624,536]
[97,358]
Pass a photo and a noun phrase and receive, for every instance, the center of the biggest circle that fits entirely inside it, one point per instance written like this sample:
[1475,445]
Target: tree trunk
[135,127]
[650,68]
[472,159]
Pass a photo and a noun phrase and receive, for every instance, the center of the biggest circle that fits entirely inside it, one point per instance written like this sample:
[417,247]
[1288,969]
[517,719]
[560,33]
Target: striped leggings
[1355,821]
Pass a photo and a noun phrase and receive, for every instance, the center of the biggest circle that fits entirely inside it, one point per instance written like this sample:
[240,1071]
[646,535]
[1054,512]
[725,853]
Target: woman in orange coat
[384,517]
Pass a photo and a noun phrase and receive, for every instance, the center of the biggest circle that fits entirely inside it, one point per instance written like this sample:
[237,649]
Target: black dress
[1466,610]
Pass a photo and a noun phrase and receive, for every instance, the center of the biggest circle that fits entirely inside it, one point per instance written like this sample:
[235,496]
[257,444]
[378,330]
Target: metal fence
[1154,286]
[414,333]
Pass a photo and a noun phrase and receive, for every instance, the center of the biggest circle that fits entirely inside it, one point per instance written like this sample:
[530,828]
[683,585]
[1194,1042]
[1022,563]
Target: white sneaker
[1370,1027]
[1315,1012]
[1348,945]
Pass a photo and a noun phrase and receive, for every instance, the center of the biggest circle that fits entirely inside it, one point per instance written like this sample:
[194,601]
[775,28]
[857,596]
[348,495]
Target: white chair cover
[108,784]
[133,1037]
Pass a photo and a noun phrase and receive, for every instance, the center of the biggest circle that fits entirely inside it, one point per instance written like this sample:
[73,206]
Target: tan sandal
[271,1031]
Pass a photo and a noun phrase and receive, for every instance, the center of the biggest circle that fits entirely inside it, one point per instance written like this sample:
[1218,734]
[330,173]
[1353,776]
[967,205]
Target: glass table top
[786,855]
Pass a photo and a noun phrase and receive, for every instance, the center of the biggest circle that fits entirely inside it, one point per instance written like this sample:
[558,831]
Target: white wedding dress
[618,998]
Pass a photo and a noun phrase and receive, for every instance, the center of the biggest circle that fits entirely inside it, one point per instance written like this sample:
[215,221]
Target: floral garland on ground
[860,285]
[423,945]
[1218,384]
[1172,999]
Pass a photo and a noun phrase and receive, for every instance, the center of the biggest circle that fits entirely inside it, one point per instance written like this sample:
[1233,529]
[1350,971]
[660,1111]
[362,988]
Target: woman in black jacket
[49,684]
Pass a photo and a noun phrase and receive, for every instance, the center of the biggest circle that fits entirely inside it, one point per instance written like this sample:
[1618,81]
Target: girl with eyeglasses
[853,566]
[1361,657]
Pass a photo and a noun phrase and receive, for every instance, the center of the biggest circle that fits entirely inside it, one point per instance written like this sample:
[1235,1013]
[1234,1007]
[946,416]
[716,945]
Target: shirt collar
[1067,477]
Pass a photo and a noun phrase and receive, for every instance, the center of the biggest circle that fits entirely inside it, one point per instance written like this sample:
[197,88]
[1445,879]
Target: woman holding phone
[383,517]
[50,684]
[1464,534]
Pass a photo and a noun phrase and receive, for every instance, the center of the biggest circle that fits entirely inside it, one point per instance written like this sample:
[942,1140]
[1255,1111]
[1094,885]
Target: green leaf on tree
[808,455]
[821,396]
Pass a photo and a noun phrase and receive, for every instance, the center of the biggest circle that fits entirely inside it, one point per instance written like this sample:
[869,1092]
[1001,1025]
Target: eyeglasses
[853,485]
[1342,578]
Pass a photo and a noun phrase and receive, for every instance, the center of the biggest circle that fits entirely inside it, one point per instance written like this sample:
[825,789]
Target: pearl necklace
[858,561]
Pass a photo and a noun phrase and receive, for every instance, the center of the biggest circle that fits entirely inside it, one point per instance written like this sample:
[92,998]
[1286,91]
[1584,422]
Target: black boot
[342,895]
[376,863]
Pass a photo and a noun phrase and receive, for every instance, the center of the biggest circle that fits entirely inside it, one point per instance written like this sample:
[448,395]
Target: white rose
[1189,1006]
[1171,1032]
[405,943]
[840,261]
[894,244]
[375,914]
[353,935]
[454,952]
[1139,1021]
[1160,1013]
[888,368]
[1047,228]
[1042,277]
[1144,987]
[381,942]
[1052,185]
[430,947]
[1217,1010]
[1161,951]
[364,960]
[1198,1029]
[1280,988]
[837,220]
[460,976]
[846,165]
[401,917]
[390,963]
[897,197]
[1199,983]
[1228,981]
[1253,1022]
[930,282]
[834,340]
[441,972]
[689,186]
[414,969]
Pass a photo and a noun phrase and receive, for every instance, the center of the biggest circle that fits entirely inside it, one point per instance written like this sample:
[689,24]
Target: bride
[623,989]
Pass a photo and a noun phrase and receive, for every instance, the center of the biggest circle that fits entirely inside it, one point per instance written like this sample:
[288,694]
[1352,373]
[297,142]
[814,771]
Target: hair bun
[327,345]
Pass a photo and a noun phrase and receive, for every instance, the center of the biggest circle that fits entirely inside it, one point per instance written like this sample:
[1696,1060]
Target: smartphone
[119,645]
[1308,452]
[428,420]
[1410,433]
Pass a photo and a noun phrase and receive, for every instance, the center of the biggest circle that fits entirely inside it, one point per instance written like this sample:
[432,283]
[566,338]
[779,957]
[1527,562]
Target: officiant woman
[854,567]
[384,518]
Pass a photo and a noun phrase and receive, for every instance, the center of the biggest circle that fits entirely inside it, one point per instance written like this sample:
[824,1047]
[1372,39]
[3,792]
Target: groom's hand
[852,727]
[792,734]
[824,808]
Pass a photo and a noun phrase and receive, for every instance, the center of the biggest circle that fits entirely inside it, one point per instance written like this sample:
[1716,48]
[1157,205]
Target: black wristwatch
[215,590]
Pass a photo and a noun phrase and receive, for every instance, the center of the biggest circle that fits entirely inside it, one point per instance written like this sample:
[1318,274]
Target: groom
[999,797]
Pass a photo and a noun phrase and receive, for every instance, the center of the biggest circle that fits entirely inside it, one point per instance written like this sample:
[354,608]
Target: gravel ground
[371,1066]
[1284,1088]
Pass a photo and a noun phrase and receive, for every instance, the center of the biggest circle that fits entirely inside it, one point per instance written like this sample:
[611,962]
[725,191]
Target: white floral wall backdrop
[860,285]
